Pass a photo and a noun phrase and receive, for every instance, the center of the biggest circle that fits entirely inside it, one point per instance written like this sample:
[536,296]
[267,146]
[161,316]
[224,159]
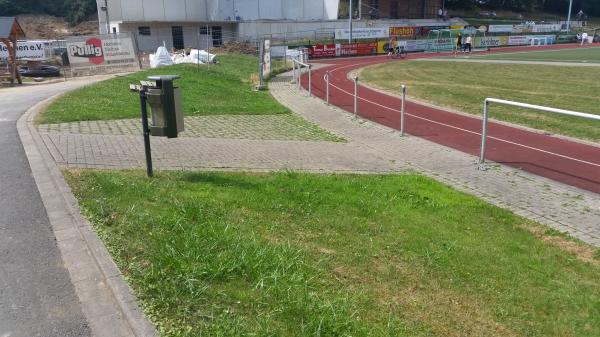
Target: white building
[183,23]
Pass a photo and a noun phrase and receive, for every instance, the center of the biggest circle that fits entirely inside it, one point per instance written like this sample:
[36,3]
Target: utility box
[165,102]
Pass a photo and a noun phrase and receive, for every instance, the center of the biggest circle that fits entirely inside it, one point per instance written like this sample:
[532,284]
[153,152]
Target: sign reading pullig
[92,50]
[102,53]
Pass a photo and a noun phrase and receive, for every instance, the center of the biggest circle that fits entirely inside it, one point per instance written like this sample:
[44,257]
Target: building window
[177,32]
[204,30]
[217,35]
[145,31]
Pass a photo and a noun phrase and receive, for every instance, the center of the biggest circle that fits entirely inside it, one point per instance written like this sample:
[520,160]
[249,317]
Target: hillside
[74,11]
[51,27]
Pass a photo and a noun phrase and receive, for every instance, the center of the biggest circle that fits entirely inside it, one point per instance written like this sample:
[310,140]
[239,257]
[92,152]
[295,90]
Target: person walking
[584,38]
[440,14]
[469,43]
[459,46]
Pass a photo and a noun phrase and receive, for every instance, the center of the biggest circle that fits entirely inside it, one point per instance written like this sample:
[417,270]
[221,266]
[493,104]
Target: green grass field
[573,55]
[463,86]
[287,254]
[227,88]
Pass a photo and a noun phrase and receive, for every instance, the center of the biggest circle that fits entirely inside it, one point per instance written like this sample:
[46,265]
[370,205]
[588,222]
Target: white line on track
[452,126]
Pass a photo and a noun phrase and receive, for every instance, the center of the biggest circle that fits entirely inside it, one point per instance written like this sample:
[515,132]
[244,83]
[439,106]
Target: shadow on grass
[218,180]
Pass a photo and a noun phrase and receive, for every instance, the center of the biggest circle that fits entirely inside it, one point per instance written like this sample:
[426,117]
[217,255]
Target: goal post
[444,40]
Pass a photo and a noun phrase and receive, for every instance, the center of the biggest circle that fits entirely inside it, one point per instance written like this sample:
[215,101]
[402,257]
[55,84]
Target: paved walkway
[370,148]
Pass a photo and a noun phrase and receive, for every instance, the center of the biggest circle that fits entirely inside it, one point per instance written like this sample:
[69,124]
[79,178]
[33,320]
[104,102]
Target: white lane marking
[5,120]
[456,127]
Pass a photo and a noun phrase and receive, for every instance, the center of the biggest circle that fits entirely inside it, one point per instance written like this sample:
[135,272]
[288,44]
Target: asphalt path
[36,294]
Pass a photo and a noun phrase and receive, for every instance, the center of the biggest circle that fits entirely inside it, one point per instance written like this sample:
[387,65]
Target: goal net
[444,40]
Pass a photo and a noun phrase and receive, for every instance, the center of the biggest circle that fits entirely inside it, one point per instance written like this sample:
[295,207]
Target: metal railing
[403,89]
[486,108]
[297,75]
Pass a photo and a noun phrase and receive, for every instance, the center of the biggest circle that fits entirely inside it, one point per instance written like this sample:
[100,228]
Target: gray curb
[107,301]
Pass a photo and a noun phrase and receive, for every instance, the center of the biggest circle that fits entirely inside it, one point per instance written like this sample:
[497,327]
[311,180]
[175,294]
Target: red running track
[568,162]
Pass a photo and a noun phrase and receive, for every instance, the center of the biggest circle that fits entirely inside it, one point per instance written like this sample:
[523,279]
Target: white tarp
[201,55]
[162,58]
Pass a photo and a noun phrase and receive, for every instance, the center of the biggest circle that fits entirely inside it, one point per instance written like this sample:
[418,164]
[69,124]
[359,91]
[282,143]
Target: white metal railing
[486,105]
[298,74]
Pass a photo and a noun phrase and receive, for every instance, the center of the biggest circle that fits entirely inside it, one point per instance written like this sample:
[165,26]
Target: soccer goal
[444,40]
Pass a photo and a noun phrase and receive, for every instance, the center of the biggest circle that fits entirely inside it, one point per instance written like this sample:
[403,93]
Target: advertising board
[362,33]
[28,50]
[490,41]
[405,31]
[102,53]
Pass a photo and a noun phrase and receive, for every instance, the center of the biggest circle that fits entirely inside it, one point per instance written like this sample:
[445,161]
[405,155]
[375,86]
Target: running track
[568,162]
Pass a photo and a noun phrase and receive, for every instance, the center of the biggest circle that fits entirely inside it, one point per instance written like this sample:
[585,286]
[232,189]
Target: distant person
[458,43]
[580,15]
[469,43]
[584,38]
[445,14]
[440,14]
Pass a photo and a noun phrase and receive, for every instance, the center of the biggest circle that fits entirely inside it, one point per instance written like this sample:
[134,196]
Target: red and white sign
[107,51]
[322,50]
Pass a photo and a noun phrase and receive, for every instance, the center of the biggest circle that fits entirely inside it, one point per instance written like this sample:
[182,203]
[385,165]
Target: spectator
[445,14]
[580,15]
[440,14]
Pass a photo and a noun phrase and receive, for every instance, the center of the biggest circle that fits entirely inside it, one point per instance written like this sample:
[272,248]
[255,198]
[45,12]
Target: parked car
[42,71]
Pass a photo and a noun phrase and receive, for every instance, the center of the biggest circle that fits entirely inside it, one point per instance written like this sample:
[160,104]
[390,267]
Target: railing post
[309,80]
[402,110]
[486,106]
[355,96]
[327,87]
[293,71]
[299,76]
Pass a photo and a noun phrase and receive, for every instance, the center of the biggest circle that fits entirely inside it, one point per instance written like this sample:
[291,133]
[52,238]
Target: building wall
[219,10]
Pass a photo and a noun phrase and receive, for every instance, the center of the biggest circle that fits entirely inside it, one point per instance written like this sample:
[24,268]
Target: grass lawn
[288,254]
[224,89]
[576,55]
[464,86]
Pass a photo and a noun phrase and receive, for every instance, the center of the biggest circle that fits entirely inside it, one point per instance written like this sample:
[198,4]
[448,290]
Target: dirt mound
[53,28]
[235,47]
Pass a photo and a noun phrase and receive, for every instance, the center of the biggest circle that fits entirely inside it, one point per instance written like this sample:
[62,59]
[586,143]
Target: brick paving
[369,148]
[265,127]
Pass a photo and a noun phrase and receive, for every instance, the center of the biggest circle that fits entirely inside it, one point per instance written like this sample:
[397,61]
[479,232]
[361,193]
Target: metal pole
[309,80]
[402,110]
[355,96]
[146,130]
[299,77]
[569,16]
[350,21]
[198,55]
[293,71]
[327,87]
[107,18]
[486,105]
[207,47]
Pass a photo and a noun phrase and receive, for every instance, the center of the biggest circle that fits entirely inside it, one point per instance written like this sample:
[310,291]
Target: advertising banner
[102,52]
[500,28]
[362,33]
[28,50]
[406,31]
[517,40]
[356,49]
[416,45]
[322,50]
[550,28]
[490,41]
[520,40]
[425,30]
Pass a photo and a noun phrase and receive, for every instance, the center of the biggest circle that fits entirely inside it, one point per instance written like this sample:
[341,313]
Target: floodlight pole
[569,16]
[107,19]
[350,22]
